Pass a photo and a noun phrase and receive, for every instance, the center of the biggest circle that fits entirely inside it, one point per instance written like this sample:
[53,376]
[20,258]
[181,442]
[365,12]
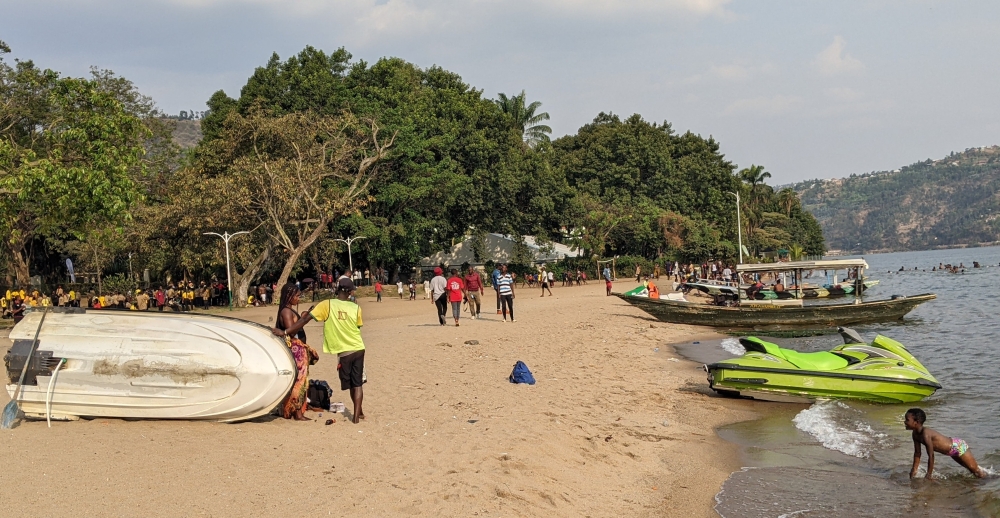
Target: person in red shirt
[456,293]
[474,291]
[378,291]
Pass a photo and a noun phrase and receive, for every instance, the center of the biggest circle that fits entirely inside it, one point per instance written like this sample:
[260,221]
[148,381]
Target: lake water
[853,459]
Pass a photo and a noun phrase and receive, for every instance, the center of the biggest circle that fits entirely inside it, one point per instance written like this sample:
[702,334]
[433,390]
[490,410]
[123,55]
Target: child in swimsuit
[935,442]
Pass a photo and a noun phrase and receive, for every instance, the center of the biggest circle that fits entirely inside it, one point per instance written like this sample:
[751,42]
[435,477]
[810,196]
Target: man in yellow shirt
[341,336]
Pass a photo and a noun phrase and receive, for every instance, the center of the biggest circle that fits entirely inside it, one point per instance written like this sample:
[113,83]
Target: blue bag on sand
[521,374]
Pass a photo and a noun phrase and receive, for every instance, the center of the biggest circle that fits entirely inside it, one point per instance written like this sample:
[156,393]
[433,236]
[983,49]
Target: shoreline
[446,432]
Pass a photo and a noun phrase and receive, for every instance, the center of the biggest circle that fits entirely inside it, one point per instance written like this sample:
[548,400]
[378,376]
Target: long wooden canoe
[777,318]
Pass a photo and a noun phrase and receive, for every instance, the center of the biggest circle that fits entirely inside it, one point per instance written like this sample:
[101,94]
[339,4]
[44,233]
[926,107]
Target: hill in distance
[946,203]
[187,133]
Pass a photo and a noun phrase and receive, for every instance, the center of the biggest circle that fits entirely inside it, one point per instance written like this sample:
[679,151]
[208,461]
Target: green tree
[526,117]
[71,152]
[301,170]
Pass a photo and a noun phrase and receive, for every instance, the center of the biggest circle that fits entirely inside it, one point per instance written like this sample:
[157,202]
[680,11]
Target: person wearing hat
[439,285]
[341,320]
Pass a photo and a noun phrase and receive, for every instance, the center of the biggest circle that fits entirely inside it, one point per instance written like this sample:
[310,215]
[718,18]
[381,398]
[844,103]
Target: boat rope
[48,393]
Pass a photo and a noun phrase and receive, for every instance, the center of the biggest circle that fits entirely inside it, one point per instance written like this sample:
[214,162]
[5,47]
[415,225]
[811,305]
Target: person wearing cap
[439,285]
[341,320]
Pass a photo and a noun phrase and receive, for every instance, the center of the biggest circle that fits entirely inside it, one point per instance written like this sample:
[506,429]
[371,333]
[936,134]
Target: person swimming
[936,442]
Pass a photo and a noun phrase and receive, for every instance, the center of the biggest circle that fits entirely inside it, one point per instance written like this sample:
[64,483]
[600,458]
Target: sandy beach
[612,428]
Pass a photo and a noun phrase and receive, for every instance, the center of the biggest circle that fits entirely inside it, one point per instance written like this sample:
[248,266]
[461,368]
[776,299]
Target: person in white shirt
[399,289]
[439,285]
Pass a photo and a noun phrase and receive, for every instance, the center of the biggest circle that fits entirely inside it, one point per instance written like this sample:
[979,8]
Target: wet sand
[611,428]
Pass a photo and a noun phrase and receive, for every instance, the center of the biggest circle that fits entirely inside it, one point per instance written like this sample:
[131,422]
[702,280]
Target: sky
[807,89]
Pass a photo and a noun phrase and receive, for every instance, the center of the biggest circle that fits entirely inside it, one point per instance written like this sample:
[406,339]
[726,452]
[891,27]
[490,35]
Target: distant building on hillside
[498,248]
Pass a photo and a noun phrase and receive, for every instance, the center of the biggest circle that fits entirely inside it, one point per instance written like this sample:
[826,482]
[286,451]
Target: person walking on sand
[545,282]
[495,281]
[933,441]
[474,291]
[505,287]
[427,289]
[378,290]
[456,294]
[607,279]
[438,288]
[399,288]
[638,273]
[341,320]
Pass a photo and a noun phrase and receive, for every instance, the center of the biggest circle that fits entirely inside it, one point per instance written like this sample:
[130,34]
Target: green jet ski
[882,371]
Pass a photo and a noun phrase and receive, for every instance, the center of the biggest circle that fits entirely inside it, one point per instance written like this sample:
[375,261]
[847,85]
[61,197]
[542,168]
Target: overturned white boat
[138,365]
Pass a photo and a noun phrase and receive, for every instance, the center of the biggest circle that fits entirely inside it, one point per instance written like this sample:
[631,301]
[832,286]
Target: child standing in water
[935,442]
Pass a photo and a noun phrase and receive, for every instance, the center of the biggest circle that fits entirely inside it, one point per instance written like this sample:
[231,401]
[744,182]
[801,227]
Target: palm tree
[754,175]
[525,118]
[788,199]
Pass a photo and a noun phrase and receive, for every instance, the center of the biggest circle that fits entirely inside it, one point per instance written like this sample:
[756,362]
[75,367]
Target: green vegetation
[930,204]
[318,147]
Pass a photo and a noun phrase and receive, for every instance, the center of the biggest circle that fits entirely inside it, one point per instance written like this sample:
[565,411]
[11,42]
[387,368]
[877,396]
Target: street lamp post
[226,236]
[739,225]
[350,261]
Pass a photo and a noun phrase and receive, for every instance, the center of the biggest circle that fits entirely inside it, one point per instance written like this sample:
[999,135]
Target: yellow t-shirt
[341,325]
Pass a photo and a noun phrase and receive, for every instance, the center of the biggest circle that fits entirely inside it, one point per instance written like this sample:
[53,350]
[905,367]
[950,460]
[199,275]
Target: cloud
[834,61]
[765,106]
[567,7]
[732,72]
[844,94]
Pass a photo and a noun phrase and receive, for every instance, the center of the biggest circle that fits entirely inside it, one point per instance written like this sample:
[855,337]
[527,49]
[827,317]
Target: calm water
[853,459]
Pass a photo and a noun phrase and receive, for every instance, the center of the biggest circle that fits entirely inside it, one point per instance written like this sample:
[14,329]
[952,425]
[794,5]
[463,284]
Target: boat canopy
[831,264]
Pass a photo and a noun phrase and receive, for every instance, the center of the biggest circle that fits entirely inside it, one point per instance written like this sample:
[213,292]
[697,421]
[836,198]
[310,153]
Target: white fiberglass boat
[139,365]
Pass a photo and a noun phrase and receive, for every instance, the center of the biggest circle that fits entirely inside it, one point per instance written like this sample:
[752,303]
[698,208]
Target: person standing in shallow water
[295,404]
[342,323]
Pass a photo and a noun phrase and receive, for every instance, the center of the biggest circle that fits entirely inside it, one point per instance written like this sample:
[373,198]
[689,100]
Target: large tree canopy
[318,147]
[73,156]
[457,162]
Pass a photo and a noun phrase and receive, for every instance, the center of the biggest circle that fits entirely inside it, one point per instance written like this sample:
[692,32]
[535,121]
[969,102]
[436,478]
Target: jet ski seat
[818,361]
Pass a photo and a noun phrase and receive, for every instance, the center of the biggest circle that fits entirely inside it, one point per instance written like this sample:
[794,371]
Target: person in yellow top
[341,336]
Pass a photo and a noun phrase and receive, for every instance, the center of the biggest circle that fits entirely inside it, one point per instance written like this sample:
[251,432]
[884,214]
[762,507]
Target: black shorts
[352,370]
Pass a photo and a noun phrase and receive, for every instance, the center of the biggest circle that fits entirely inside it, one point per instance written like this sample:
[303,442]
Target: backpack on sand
[521,374]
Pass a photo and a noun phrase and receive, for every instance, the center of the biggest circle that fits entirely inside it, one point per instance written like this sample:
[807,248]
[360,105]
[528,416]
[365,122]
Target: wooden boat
[815,292]
[763,317]
[138,365]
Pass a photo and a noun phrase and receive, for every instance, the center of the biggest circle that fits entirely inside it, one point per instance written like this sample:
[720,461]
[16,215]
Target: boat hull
[778,318]
[770,385]
[139,365]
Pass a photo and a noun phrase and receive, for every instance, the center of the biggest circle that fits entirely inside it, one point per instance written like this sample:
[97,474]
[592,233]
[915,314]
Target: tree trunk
[242,281]
[295,253]
[293,257]
[21,271]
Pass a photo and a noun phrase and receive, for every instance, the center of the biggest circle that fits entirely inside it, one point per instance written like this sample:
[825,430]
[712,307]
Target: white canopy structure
[498,248]
[830,264]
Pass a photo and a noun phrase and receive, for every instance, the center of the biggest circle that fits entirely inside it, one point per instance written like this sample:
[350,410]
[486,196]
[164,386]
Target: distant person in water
[933,441]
